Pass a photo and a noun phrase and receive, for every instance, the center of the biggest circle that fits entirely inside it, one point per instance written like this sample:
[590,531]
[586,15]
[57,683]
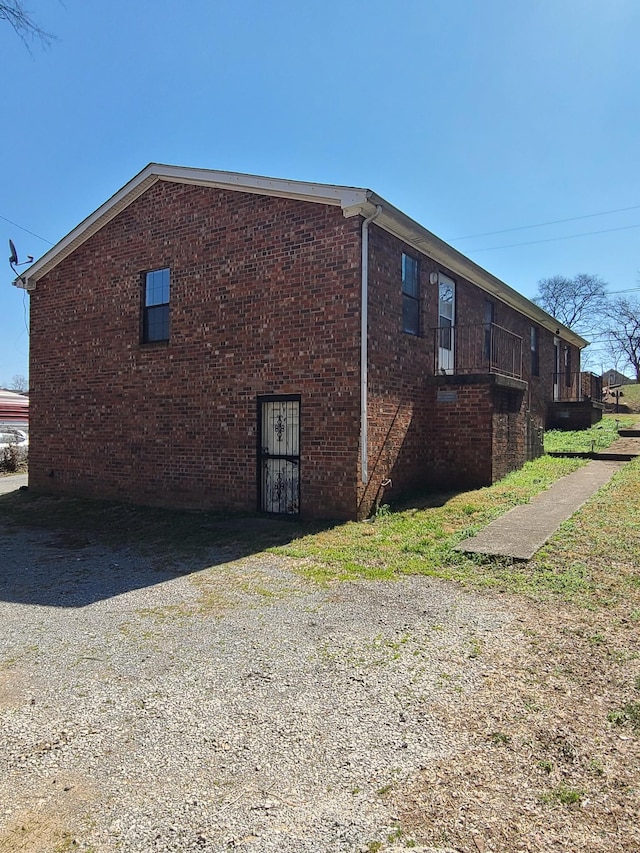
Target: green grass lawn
[594,560]
[419,539]
[598,437]
[631,396]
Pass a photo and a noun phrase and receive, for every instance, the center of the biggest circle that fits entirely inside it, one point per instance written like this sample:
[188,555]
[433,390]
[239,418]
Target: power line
[551,222]
[26,230]
[555,239]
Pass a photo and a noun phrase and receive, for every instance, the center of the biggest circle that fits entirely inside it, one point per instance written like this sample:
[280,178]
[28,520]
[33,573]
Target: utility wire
[554,239]
[542,224]
[26,230]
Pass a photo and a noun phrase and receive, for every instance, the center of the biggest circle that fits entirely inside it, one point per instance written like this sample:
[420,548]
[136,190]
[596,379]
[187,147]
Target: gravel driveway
[150,705]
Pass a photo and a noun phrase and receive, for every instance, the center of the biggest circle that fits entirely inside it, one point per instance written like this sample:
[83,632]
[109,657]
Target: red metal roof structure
[14,408]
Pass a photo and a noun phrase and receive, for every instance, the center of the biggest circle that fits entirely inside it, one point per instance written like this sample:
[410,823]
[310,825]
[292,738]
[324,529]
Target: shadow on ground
[71,552]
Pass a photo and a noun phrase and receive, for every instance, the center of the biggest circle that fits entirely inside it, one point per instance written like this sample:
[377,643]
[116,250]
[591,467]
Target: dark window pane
[410,276]
[156,306]
[410,315]
[488,311]
[157,323]
[445,333]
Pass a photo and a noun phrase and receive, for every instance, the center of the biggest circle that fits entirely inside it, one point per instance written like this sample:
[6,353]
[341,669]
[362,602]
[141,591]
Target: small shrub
[383,511]
[630,713]
[596,767]
[564,795]
[11,459]
[499,738]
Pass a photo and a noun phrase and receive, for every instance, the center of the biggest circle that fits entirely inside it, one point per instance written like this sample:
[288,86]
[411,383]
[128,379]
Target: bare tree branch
[25,27]
[19,383]
[624,332]
[579,302]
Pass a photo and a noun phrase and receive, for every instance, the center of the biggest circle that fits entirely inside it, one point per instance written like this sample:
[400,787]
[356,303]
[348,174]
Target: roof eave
[344,197]
[424,241]
[353,201]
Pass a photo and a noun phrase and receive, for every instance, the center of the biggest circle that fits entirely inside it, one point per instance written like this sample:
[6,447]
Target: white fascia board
[344,197]
[281,187]
[402,226]
[87,228]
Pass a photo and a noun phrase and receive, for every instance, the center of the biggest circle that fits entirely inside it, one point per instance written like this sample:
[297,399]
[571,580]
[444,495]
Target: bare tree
[19,383]
[18,17]
[624,332]
[579,302]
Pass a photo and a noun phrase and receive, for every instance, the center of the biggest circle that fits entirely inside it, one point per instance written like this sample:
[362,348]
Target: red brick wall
[417,436]
[265,299]
[398,365]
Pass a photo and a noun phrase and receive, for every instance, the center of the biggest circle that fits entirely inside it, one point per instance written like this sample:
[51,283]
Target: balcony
[572,387]
[478,348]
[575,402]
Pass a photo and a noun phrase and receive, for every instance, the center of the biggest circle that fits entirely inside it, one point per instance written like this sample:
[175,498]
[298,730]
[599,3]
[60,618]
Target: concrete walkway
[12,482]
[520,532]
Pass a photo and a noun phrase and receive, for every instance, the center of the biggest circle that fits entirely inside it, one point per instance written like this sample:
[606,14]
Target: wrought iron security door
[279,457]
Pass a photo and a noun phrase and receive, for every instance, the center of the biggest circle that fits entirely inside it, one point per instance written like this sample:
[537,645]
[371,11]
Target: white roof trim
[301,190]
[354,201]
[409,231]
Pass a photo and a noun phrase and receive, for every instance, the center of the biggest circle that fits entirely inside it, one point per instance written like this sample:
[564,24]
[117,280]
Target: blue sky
[472,116]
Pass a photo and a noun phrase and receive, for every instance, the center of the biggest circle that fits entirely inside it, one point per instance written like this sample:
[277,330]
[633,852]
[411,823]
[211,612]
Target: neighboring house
[612,378]
[216,340]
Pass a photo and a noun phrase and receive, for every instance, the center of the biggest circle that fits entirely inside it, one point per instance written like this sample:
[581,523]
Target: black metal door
[279,455]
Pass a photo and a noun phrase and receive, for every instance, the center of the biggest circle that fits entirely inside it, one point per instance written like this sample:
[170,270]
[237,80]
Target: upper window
[155,320]
[489,317]
[410,295]
[535,352]
[446,319]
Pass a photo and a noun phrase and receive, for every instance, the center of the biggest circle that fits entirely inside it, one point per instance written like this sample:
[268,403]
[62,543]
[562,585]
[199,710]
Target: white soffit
[402,226]
[344,197]
[354,201]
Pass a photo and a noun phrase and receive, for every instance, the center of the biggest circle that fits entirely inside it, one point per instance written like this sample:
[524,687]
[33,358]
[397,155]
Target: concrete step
[602,454]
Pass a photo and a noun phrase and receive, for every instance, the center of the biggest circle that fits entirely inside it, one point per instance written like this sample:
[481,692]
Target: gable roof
[354,201]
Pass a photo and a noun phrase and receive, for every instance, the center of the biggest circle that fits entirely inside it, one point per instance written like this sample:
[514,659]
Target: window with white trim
[410,295]
[535,352]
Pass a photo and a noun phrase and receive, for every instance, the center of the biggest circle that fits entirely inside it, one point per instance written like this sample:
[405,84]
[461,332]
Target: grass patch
[598,437]
[419,538]
[630,714]
[631,396]
[563,795]
[593,561]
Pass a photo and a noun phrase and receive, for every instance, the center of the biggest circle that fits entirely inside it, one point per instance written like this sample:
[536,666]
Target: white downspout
[364,323]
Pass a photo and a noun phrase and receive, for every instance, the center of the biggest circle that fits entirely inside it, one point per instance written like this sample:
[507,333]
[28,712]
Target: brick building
[216,340]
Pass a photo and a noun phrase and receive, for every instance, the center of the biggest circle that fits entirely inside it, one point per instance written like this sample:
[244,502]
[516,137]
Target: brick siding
[265,299]
[434,432]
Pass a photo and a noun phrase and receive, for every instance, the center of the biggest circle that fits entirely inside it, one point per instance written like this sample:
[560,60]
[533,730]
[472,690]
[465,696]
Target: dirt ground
[537,714]
[552,759]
